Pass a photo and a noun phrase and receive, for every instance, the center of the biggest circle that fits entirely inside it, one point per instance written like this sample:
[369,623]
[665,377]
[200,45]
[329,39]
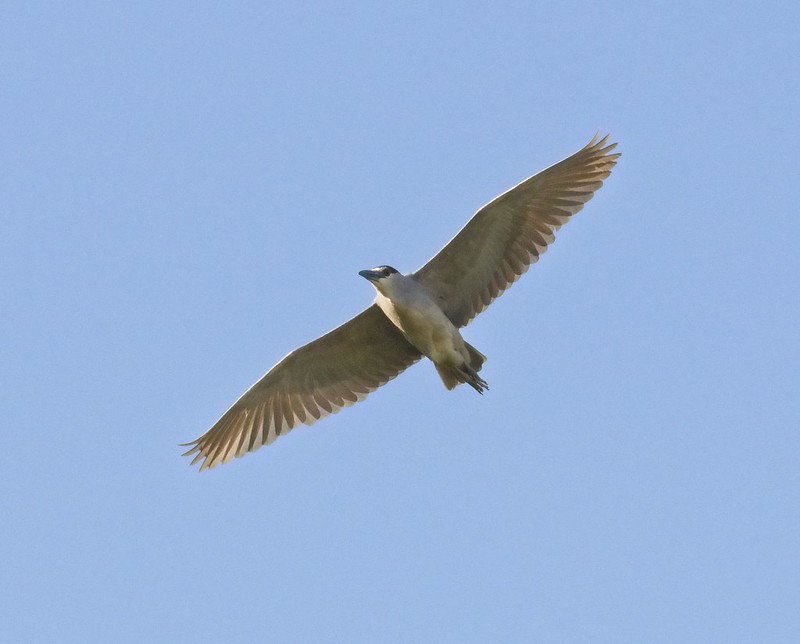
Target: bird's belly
[429,330]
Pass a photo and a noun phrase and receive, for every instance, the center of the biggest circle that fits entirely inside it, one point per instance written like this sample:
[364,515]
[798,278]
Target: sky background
[187,193]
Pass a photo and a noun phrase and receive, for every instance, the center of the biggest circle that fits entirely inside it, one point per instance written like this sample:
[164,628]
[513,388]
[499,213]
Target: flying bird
[413,315]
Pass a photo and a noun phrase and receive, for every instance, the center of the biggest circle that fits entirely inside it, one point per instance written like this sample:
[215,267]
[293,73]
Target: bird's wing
[510,233]
[334,371]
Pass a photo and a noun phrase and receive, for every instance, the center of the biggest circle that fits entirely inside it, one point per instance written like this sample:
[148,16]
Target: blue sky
[188,191]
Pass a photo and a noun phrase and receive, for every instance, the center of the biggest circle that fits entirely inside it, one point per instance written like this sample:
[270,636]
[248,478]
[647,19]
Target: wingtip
[201,456]
[602,148]
[598,142]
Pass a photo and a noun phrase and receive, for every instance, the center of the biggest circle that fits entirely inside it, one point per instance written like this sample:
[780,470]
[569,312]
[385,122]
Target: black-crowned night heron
[413,315]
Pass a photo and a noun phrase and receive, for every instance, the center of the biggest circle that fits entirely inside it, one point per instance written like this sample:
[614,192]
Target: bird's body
[414,315]
[412,310]
[410,307]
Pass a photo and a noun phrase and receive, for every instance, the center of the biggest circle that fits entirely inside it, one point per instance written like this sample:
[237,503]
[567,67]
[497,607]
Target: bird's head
[380,277]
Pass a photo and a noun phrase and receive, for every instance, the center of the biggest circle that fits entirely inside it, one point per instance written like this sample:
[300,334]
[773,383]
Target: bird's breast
[425,326]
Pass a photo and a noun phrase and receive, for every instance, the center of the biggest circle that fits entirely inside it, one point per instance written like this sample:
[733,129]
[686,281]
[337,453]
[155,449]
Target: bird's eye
[386,272]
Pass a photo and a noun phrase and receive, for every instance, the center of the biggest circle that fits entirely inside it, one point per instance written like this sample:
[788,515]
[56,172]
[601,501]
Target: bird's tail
[468,372]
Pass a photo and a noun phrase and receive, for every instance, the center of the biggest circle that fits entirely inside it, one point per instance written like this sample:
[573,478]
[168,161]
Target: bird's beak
[372,276]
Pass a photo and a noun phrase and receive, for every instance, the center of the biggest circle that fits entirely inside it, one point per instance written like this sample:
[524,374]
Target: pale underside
[344,366]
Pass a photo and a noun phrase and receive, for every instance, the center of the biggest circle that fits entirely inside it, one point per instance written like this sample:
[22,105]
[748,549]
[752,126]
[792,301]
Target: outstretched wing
[334,371]
[510,233]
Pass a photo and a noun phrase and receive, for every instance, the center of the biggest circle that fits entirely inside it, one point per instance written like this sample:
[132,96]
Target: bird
[415,315]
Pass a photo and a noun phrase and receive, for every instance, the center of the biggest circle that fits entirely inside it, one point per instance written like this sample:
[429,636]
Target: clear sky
[187,193]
